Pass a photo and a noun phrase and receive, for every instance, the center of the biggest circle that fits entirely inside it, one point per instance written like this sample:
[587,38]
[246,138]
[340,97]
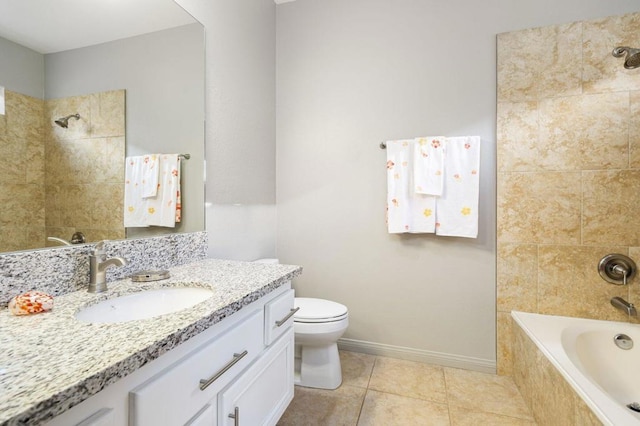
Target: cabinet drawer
[261,395]
[175,395]
[278,316]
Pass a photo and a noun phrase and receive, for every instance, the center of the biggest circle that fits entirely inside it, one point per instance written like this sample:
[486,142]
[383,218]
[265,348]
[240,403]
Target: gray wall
[240,189]
[353,73]
[240,43]
[21,69]
[163,75]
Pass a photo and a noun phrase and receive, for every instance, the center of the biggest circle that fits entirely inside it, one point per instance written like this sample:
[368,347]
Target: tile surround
[549,397]
[568,150]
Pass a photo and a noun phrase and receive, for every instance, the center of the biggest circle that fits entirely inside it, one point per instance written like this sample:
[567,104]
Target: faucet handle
[99,249]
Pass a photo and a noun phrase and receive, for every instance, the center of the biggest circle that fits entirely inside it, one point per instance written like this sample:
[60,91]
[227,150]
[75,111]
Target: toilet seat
[318,310]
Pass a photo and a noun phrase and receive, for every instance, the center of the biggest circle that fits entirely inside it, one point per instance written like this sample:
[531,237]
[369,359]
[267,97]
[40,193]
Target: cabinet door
[206,417]
[263,392]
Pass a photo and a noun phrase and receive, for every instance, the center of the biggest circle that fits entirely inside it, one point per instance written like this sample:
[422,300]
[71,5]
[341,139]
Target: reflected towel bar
[383,145]
[185,156]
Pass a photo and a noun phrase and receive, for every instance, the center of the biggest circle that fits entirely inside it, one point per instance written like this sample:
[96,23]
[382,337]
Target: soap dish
[146,276]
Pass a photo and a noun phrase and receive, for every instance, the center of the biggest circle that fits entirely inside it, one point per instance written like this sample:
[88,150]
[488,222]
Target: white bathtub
[606,377]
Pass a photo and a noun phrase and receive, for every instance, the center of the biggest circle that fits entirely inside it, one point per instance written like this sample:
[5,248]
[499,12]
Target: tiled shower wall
[568,137]
[84,166]
[22,176]
[78,187]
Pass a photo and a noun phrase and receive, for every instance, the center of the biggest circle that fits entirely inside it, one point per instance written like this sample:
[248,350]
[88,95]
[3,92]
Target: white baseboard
[428,357]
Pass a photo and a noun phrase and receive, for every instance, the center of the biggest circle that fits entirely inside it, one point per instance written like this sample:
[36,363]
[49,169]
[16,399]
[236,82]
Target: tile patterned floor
[379,391]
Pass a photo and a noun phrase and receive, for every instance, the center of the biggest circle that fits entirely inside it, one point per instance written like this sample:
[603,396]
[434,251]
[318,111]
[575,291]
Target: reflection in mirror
[134,94]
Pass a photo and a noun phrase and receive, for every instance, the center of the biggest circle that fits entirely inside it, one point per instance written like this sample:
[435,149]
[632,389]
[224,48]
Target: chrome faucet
[624,306]
[98,264]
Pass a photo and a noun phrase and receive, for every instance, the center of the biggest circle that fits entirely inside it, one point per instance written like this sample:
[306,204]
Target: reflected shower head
[632,59]
[64,122]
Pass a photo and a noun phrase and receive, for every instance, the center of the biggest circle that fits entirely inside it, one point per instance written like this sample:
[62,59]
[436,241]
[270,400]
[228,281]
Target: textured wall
[84,168]
[568,138]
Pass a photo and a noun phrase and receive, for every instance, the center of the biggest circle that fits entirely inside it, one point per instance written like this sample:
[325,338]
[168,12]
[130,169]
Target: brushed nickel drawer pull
[204,383]
[235,416]
[289,315]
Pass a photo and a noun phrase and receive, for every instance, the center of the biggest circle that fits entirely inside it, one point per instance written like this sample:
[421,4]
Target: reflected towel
[457,208]
[150,173]
[164,208]
[428,164]
[406,211]
[2,100]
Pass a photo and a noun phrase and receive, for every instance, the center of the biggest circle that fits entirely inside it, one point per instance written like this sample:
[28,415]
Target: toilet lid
[318,310]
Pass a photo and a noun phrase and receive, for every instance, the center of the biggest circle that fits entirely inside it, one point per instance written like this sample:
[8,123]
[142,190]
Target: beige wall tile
[584,132]
[517,135]
[408,378]
[603,72]
[539,207]
[583,415]
[108,114]
[569,283]
[517,268]
[504,352]
[634,129]
[611,198]
[22,205]
[529,70]
[57,108]
[557,403]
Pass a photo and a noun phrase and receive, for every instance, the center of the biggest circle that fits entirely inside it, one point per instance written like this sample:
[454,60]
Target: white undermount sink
[143,305]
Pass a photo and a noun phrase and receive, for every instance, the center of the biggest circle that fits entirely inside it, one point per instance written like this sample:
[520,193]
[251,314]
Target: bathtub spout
[624,306]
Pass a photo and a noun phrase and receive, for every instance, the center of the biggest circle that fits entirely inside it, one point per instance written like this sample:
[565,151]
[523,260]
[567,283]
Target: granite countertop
[50,362]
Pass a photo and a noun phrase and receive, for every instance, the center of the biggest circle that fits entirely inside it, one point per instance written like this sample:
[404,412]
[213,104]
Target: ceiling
[48,26]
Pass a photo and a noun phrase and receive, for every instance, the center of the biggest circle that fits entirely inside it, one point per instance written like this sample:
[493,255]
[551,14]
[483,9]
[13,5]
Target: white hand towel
[163,209]
[150,173]
[406,211]
[134,203]
[428,164]
[457,208]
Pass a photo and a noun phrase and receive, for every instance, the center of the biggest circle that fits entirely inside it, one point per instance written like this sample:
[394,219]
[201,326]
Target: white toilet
[317,326]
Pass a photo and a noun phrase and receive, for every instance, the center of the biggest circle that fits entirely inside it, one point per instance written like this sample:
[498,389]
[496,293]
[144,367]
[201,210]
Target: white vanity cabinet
[241,366]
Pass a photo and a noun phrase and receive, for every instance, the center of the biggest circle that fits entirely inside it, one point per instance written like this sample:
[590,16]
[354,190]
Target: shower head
[632,60]
[64,122]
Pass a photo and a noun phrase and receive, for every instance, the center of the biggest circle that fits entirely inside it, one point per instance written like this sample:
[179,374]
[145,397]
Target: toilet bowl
[317,326]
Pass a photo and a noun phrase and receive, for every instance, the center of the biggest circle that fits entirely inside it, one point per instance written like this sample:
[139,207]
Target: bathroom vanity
[222,360]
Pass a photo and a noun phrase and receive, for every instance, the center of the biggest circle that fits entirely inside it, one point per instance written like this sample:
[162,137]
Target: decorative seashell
[31,302]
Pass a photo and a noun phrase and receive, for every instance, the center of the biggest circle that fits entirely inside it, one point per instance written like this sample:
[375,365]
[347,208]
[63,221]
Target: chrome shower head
[64,122]
[632,60]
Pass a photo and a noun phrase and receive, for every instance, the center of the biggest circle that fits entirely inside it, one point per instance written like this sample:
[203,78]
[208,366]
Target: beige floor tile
[485,392]
[356,368]
[314,407]
[408,378]
[386,409]
[464,417]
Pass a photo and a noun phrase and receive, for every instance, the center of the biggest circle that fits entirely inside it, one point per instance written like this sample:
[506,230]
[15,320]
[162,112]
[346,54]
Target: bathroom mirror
[87,56]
